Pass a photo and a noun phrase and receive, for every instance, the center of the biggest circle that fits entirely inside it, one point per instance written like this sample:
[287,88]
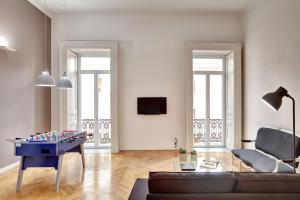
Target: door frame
[113,46]
[207,80]
[75,85]
[237,110]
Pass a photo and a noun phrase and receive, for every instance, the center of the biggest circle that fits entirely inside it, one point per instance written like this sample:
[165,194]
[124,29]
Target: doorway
[208,100]
[213,95]
[94,96]
[92,104]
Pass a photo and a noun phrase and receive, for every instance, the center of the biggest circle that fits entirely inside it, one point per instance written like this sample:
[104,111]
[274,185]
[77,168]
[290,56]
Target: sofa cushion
[248,182]
[277,143]
[193,182]
[259,161]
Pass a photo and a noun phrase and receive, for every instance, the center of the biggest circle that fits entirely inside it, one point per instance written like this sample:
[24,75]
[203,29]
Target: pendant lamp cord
[64,7]
[45,51]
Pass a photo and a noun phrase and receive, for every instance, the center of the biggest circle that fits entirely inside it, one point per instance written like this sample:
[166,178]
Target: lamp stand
[294,133]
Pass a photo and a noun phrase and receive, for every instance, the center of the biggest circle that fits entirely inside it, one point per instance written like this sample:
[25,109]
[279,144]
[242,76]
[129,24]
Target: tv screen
[152,105]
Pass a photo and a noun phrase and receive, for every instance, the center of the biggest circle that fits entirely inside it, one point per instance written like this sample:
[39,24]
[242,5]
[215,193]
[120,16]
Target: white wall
[271,59]
[151,63]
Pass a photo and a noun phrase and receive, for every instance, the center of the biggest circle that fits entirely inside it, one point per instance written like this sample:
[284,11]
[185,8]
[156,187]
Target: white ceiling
[142,6]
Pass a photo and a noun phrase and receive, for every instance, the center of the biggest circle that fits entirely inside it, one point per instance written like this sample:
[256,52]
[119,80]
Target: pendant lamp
[64,82]
[45,79]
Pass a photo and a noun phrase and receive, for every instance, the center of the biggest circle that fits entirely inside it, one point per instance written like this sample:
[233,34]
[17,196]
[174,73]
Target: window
[208,100]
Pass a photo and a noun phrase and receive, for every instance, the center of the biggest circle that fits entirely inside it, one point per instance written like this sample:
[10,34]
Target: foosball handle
[13,140]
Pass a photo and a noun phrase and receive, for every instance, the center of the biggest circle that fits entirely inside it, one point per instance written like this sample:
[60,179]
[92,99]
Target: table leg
[58,174]
[82,155]
[20,175]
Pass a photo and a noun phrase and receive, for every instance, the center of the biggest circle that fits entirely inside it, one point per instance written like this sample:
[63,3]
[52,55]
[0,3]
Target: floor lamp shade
[64,82]
[45,79]
[274,99]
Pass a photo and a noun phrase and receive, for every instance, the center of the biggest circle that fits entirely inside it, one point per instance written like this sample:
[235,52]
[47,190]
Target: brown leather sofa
[217,186]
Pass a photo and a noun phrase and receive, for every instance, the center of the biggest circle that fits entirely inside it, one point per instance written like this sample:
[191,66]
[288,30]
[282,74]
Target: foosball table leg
[20,175]
[58,174]
[82,155]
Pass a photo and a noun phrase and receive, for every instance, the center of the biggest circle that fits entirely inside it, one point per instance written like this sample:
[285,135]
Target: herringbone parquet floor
[107,176]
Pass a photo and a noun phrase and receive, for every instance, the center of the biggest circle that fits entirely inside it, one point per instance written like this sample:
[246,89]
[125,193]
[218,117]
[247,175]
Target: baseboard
[9,167]
[145,148]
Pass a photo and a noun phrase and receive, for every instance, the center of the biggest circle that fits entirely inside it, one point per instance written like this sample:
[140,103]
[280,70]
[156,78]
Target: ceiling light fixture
[45,79]
[64,82]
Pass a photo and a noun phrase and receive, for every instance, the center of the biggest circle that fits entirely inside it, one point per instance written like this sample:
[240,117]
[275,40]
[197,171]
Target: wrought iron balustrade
[104,130]
[216,131]
[199,131]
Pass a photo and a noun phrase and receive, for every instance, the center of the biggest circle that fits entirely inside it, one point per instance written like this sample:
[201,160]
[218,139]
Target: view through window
[208,100]
[95,98]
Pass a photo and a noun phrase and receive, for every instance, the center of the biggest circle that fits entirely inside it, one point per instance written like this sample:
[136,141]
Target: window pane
[95,63]
[216,97]
[87,96]
[199,110]
[207,64]
[216,110]
[104,96]
[199,98]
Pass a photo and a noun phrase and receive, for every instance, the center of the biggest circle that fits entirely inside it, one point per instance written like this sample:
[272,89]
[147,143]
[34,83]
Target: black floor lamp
[274,100]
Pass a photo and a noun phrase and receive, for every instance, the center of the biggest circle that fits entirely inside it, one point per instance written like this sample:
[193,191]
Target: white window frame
[96,74]
[113,46]
[75,85]
[208,73]
[237,110]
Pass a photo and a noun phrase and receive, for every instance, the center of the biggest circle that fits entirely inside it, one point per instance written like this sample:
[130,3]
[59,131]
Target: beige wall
[271,59]
[24,108]
[151,63]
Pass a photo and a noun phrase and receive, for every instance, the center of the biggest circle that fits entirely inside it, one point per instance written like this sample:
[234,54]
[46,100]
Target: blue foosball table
[47,150]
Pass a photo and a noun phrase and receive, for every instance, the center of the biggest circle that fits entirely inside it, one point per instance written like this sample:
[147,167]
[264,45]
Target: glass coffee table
[197,165]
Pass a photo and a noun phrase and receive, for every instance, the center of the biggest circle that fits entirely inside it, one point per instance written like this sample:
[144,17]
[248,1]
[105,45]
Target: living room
[165,80]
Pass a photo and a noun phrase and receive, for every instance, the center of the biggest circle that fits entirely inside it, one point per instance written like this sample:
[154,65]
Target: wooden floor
[107,176]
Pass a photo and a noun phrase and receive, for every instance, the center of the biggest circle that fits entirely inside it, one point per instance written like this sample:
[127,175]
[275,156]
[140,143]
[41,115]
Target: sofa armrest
[248,140]
[139,190]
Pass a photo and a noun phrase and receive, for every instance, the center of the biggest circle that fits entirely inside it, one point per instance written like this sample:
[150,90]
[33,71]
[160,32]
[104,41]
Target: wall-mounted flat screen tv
[151,105]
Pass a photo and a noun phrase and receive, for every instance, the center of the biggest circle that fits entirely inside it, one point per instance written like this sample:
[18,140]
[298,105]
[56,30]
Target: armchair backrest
[277,143]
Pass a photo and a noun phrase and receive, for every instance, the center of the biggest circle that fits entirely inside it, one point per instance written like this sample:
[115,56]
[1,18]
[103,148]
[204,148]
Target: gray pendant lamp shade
[274,99]
[45,79]
[64,82]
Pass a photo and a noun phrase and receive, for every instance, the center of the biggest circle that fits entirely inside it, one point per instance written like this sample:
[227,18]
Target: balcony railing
[199,130]
[216,131]
[104,130]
